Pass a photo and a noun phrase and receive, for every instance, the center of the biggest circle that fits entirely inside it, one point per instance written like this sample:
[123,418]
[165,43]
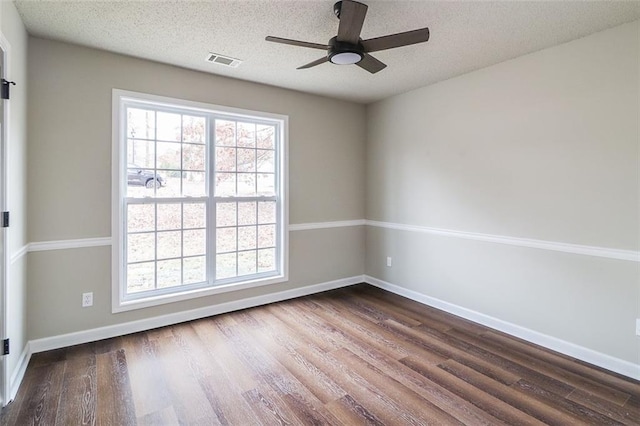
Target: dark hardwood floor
[353,356]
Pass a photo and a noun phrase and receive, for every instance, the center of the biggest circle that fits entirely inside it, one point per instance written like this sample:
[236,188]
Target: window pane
[246,160]
[266,260]
[225,184]
[247,262]
[141,154]
[226,240]
[172,183]
[195,269]
[142,182]
[169,273]
[266,236]
[195,242]
[141,247]
[169,216]
[139,192]
[247,134]
[267,212]
[193,129]
[141,123]
[194,215]
[141,217]
[246,237]
[225,133]
[225,265]
[266,184]
[194,184]
[140,277]
[169,126]
[265,136]
[168,155]
[266,161]
[169,244]
[193,157]
[247,213]
[226,214]
[225,159]
[246,184]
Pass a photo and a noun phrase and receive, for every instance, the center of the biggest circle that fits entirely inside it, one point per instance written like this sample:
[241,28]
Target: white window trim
[118,185]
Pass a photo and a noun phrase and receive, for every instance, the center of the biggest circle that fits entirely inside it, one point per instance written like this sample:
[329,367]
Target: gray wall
[13,30]
[542,147]
[70,176]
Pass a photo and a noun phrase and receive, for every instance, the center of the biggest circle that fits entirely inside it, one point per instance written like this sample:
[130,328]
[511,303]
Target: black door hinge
[4,92]
[5,219]
[5,347]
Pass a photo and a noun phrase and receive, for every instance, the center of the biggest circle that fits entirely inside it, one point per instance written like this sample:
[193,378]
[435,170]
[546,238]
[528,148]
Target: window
[199,200]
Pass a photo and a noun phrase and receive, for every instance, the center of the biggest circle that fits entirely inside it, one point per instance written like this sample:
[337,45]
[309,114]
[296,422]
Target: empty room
[246,212]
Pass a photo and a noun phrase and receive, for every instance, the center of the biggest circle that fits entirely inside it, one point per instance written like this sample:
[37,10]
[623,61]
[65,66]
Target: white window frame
[120,302]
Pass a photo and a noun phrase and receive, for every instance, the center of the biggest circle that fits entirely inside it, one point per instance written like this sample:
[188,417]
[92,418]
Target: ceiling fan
[348,48]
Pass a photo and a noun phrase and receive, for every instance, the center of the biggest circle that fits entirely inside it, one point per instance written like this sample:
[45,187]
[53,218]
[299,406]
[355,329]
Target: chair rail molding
[629,255]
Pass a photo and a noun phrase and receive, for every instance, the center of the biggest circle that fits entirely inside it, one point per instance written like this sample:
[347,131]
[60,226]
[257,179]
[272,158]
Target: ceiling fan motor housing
[343,53]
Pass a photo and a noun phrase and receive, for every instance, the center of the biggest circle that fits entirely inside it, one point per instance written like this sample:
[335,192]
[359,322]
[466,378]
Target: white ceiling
[465,36]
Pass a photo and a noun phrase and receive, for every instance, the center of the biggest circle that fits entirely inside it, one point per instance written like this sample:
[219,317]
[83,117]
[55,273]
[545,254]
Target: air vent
[216,58]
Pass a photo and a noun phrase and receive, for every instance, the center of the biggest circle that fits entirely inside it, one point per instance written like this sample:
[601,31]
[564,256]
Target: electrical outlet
[87,300]
[389,261]
[638,327]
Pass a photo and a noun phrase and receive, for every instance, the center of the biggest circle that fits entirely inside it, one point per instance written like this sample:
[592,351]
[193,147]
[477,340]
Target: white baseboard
[85,336]
[55,342]
[608,362]
[18,373]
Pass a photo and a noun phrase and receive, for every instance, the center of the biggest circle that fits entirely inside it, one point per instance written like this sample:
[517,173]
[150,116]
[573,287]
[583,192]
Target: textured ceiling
[464,36]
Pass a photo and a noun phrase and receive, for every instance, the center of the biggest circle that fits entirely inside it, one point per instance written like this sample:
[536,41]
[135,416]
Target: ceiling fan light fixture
[345,58]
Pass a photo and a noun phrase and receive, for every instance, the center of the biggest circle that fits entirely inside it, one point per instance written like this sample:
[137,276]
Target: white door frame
[5,382]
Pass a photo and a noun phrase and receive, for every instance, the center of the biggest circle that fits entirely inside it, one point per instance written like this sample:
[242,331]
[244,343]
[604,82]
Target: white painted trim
[107,241]
[630,255]
[18,373]
[161,299]
[5,263]
[18,254]
[202,107]
[610,253]
[118,163]
[64,340]
[326,225]
[69,244]
[608,362]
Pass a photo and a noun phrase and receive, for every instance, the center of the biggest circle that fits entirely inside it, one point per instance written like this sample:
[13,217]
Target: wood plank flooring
[353,356]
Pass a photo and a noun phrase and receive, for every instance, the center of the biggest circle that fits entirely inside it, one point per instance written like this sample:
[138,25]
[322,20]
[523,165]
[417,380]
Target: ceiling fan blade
[314,63]
[396,40]
[352,16]
[371,64]
[297,43]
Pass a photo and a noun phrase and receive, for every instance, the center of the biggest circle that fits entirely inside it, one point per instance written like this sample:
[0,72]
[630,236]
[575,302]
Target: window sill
[147,302]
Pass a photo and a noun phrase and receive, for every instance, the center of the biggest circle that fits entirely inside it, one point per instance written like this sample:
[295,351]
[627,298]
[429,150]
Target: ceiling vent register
[216,58]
